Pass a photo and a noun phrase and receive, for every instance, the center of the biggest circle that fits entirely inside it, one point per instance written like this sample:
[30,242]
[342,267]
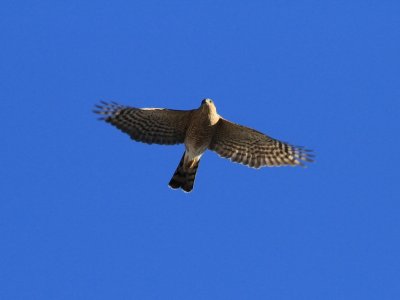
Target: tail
[184,176]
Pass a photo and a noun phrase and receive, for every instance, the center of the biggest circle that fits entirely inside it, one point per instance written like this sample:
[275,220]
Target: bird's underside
[201,129]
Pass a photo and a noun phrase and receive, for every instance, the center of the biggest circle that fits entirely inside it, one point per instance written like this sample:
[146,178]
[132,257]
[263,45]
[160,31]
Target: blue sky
[86,212]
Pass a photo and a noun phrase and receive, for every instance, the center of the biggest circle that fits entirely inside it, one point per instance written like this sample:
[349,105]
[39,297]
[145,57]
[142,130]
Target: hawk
[201,129]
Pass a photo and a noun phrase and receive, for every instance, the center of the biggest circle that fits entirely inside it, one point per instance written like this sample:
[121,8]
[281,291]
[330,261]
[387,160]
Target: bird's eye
[206,100]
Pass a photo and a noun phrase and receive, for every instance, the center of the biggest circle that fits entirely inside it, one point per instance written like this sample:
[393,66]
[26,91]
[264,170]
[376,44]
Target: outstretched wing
[255,149]
[147,125]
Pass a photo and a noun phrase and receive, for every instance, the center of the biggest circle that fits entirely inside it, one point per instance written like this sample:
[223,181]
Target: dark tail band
[182,178]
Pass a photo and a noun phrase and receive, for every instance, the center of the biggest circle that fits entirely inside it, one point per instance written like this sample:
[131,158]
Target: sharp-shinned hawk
[201,129]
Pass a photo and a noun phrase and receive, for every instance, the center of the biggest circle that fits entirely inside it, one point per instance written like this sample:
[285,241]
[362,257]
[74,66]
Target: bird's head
[208,104]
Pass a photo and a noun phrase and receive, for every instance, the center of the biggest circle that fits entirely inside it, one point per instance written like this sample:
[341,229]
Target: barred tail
[184,177]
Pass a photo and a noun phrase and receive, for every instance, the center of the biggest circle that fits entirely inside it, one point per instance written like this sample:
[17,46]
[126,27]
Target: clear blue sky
[85,213]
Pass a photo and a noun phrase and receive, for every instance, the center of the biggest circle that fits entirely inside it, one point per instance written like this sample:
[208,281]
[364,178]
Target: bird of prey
[201,129]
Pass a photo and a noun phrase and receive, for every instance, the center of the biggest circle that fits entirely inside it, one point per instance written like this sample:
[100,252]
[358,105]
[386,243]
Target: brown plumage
[201,129]
[184,177]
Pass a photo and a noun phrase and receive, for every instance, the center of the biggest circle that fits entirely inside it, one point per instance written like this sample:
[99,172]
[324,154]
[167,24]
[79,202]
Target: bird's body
[199,134]
[201,129]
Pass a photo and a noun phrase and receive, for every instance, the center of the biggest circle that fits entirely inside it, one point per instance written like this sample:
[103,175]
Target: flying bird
[201,129]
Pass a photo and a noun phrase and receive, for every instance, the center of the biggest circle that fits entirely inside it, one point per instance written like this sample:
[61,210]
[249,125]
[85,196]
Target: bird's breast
[198,137]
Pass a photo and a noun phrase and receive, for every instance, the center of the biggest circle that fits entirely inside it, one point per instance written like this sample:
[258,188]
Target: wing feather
[252,148]
[147,125]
